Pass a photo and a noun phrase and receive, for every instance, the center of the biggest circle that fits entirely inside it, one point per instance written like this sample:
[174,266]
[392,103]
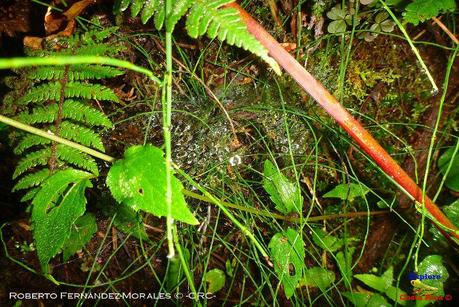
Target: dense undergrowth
[271,202]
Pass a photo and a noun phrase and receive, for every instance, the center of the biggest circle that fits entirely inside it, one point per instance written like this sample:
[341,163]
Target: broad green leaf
[287,253]
[327,242]
[383,284]
[56,207]
[215,279]
[422,10]
[317,277]
[379,283]
[285,195]
[175,271]
[82,231]
[446,161]
[139,181]
[347,191]
[337,13]
[433,265]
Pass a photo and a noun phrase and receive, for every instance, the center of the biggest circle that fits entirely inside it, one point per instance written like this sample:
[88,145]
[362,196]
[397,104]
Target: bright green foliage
[317,277]
[285,195]
[139,181]
[327,242]
[287,253]
[56,207]
[82,231]
[449,167]
[432,265]
[347,191]
[58,100]
[383,284]
[421,10]
[204,16]
[215,279]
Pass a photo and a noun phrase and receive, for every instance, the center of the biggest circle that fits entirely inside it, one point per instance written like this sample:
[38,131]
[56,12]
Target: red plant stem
[342,116]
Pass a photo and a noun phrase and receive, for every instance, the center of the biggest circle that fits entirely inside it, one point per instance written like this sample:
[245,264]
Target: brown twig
[446,30]
[331,105]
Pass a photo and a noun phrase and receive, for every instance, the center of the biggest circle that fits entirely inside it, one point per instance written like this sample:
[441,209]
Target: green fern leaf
[89,91]
[40,115]
[124,5]
[77,158]
[75,73]
[100,50]
[136,7]
[81,135]
[97,36]
[43,92]
[36,158]
[78,111]
[148,10]
[179,9]
[31,180]
[30,194]
[30,140]
[207,16]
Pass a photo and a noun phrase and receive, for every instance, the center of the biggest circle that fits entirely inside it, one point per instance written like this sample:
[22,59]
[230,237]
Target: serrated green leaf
[317,277]
[215,279]
[36,158]
[284,194]
[421,10]
[29,141]
[139,181]
[327,242]
[75,157]
[287,253]
[347,191]
[81,233]
[58,204]
[136,7]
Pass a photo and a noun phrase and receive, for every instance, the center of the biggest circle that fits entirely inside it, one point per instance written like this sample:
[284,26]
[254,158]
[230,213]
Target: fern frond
[81,135]
[100,50]
[89,91]
[31,180]
[205,16]
[30,140]
[226,23]
[77,158]
[43,92]
[39,115]
[52,91]
[75,73]
[30,194]
[97,36]
[78,111]
[36,158]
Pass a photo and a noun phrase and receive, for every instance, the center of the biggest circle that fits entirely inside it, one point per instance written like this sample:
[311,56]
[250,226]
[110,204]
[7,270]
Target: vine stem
[73,60]
[167,119]
[331,105]
[55,138]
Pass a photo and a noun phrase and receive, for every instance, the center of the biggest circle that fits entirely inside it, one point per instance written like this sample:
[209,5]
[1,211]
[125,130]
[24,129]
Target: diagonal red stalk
[343,117]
